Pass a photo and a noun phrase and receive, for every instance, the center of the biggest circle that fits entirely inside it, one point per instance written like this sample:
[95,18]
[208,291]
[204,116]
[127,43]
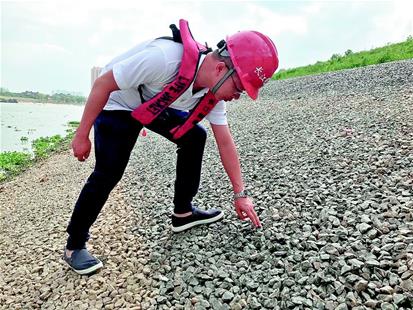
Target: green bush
[383,58]
[12,163]
[45,146]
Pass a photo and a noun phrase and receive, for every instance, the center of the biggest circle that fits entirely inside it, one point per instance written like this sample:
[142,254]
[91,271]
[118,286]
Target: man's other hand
[81,147]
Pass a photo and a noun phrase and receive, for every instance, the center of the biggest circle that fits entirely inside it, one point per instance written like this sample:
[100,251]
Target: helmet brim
[252,92]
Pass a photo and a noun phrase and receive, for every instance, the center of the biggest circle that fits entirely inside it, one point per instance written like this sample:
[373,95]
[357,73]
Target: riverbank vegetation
[390,52]
[13,163]
[30,96]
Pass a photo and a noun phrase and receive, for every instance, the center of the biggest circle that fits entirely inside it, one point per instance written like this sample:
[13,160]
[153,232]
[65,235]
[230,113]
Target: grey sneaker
[82,262]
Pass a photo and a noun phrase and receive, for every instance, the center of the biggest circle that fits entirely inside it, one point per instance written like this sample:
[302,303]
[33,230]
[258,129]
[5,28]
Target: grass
[13,163]
[390,52]
[45,146]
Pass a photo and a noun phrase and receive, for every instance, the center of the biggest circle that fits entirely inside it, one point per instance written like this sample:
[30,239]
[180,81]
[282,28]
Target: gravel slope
[329,160]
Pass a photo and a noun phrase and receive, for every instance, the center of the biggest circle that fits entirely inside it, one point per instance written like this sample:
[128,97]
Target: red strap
[205,105]
[148,111]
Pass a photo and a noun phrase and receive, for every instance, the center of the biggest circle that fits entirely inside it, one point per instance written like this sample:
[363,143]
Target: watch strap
[242,194]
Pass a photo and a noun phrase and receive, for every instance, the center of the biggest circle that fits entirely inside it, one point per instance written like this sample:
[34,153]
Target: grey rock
[255,304]
[407,285]
[298,300]
[387,306]
[345,269]
[363,227]
[393,279]
[351,299]
[227,296]
[372,233]
[387,290]
[215,303]
[398,298]
[365,218]
[372,263]
[252,285]
[330,305]
[361,285]
[342,307]
[371,303]
[407,274]
[356,263]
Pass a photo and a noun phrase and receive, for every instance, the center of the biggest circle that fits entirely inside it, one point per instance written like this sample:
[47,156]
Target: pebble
[361,285]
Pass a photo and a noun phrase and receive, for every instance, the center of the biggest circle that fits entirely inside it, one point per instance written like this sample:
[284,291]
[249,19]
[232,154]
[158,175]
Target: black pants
[115,135]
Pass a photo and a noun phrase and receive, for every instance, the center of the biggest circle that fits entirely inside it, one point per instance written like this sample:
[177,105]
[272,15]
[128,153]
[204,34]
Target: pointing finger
[254,218]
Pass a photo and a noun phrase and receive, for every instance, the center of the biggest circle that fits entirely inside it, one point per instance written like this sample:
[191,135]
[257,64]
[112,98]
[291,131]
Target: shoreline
[14,163]
[41,102]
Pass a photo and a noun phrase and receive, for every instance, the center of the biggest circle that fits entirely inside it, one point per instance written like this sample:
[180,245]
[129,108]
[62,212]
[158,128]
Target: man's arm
[230,160]
[97,99]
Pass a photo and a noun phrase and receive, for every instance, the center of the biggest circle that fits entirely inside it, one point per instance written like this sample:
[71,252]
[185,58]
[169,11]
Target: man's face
[231,88]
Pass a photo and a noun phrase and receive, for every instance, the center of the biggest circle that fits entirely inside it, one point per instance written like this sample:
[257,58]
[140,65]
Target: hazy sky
[52,45]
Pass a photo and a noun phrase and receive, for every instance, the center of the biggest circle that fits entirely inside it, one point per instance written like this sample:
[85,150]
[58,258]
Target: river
[21,123]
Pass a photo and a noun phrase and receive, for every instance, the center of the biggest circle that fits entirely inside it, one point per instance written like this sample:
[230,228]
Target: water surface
[33,120]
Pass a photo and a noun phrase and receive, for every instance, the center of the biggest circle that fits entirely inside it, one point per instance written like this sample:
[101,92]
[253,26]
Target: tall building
[94,74]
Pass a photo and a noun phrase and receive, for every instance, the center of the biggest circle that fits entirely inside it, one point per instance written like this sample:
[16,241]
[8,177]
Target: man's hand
[103,86]
[245,209]
[81,147]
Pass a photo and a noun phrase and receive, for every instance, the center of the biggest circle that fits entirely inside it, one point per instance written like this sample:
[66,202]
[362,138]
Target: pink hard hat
[255,59]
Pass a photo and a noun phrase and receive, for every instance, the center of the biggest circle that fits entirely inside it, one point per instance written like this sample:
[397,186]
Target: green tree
[335,57]
[348,52]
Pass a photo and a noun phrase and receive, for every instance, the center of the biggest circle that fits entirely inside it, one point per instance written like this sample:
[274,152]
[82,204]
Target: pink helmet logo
[259,71]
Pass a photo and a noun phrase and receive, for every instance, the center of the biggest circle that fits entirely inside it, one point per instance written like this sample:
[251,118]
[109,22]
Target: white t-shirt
[153,64]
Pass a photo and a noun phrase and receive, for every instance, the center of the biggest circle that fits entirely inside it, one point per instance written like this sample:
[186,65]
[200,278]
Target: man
[159,81]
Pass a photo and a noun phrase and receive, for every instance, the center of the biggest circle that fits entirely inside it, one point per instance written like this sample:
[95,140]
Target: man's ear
[220,66]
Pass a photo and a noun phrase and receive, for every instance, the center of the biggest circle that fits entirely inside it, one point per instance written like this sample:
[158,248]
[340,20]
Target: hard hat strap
[222,80]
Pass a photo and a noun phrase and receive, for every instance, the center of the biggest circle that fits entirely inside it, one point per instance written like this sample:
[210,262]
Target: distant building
[94,74]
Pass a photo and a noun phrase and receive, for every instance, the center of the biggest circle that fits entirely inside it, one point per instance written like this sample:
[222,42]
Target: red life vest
[148,111]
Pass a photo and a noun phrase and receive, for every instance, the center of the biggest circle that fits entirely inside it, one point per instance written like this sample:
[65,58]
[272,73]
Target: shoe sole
[88,270]
[196,223]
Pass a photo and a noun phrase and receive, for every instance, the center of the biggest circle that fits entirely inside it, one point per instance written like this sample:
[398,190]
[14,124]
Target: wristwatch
[241,194]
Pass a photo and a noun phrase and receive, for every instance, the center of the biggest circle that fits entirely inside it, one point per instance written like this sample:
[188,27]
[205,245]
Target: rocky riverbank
[329,162]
